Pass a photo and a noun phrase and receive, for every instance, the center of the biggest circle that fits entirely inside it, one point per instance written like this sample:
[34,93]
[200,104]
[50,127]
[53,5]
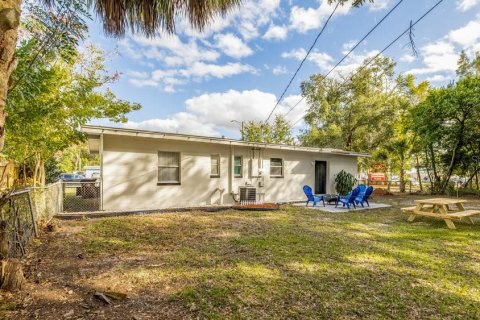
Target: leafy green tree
[352,112]
[56,98]
[467,67]
[147,17]
[447,122]
[277,132]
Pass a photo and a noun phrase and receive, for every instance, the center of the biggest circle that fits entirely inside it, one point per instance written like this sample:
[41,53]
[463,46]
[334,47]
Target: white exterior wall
[129,173]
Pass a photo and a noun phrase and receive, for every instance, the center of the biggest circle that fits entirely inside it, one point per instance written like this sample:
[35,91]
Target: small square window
[238,166]
[276,167]
[215,165]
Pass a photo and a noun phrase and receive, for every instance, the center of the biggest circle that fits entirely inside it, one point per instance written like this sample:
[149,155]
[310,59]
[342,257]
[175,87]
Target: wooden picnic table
[441,208]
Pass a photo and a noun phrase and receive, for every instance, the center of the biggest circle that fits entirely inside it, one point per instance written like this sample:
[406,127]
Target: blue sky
[197,83]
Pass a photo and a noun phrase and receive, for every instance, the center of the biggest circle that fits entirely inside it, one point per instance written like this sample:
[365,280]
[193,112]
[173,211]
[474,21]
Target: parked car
[71,177]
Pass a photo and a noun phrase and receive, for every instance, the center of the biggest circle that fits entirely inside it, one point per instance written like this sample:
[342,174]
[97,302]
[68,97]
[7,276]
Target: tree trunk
[427,163]
[9,21]
[454,158]
[476,180]
[11,272]
[402,176]
[36,171]
[12,277]
[42,172]
[419,176]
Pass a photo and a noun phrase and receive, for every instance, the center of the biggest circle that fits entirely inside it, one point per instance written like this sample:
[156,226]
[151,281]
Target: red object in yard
[377,176]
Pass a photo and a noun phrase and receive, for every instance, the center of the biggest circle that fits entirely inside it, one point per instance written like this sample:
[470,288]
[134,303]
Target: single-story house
[154,170]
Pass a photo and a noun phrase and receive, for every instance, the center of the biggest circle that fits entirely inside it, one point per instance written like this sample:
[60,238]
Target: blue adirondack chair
[363,188]
[361,198]
[312,197]
[349,198]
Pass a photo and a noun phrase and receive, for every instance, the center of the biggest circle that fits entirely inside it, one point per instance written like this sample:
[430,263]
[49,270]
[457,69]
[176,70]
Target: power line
[352,49]
[383,50]
[304,59]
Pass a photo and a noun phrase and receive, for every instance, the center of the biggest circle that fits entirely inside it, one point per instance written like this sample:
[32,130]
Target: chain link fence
[18,225]
[81,196]
[22,212]
[48,201]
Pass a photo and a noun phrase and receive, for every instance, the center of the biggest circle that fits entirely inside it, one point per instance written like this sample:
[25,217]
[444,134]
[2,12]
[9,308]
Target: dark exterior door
[320,177]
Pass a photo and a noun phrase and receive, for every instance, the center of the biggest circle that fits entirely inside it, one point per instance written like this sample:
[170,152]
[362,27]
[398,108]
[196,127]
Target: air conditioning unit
[248,195]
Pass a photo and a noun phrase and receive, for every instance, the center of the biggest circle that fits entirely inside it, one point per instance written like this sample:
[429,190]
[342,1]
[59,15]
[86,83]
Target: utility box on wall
[254,168]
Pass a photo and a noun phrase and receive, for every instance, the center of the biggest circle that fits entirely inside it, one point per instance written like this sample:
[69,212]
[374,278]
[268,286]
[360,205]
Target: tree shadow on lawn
[289,264]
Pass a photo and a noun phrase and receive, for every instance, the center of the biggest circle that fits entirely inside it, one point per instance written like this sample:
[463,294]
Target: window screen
[237,166]
[168,167]
[276,167]
[215,165]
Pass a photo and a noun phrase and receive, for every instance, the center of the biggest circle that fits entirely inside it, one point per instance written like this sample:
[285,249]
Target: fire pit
[330,198]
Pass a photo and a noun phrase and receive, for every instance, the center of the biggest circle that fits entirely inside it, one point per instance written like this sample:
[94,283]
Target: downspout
[231,174]
[101,171]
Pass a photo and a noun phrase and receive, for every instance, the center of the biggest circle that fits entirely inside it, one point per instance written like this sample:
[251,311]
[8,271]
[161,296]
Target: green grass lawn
[294,263]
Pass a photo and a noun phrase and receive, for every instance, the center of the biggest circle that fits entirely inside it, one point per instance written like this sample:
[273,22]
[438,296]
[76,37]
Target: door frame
[315,176]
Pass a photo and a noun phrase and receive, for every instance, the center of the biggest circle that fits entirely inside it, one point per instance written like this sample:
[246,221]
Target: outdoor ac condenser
[248,195]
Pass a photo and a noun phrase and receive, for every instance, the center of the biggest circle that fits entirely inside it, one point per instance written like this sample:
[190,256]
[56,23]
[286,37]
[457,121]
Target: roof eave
[96,131]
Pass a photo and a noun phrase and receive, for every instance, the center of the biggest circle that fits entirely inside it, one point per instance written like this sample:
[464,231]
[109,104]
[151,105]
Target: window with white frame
[168,167]
[276,167]
[238,166]
[215,165]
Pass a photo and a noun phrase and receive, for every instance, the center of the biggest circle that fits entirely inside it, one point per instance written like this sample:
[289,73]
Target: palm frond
[150,16]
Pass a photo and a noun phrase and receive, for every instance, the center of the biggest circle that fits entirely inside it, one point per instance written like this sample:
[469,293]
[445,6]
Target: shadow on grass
[295,263]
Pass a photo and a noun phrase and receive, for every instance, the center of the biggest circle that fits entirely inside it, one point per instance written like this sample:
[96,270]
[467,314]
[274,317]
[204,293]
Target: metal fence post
[32,212]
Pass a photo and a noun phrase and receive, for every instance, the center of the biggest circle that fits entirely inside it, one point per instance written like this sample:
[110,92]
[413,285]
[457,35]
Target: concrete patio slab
[331,207]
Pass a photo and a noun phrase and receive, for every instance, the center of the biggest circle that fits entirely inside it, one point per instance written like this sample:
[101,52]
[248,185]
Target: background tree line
[402,123]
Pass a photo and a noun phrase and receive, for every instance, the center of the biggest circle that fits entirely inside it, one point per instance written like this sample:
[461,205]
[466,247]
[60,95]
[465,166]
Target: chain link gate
[81,196]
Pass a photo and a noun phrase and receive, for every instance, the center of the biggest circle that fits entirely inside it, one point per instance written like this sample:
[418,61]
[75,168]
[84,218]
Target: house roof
[94,132]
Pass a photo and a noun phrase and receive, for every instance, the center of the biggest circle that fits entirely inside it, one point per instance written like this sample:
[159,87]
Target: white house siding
[129,170]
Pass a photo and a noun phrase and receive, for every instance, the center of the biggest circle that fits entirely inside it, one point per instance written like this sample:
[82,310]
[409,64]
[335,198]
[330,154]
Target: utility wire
[381,52]
[304,59]
[352,49]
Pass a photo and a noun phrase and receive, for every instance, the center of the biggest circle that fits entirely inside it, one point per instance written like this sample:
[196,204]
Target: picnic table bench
[439,208]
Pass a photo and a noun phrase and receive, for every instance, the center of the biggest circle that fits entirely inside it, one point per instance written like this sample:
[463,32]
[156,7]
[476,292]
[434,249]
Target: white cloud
[232,45]
[209,113]
[353,61]
[466,36]
[200,69]
[171,50]
[137,74]
[305,19]
[144,83]
[126,49]
[250,16]
[464,5]
[196,71]
[275,32]
[321,59]
[438,78]
[408,58]
[378,5]
[437,57]
[279,70]
[441,56]
[181,122]
[298,54]
[349,45]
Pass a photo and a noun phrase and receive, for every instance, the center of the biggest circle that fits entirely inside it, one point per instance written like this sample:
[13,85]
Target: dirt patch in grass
[257,207]
[293,263]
